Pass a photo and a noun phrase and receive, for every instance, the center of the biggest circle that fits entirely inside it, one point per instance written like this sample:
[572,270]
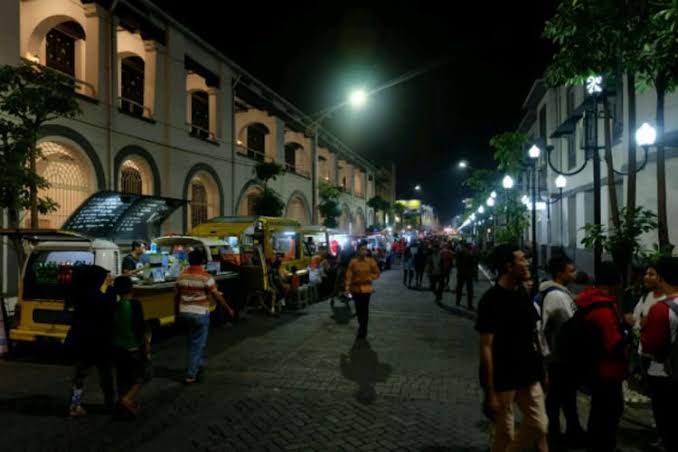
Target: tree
[30,96]
[659,67]
[399,212]
[268,203]
[329,204]
[379,204]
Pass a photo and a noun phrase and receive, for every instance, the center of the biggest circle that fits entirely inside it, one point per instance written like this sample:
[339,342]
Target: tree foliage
[329,204]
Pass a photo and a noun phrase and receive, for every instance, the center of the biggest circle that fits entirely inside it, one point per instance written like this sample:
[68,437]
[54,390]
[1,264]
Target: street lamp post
[507,183]
[561,182]
[534,154]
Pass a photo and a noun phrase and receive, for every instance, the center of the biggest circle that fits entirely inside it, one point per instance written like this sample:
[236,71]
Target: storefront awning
[121,217]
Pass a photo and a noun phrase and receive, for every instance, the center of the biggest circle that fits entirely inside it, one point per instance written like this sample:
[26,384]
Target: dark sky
[313,54]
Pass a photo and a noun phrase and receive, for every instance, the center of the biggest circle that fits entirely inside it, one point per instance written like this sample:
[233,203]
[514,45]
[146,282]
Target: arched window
[136,177]
[248,200]
[256,141]
[291,156]
[296,210]
[132,85]
[61,41]
[70,177]
[200,114]
[203,194]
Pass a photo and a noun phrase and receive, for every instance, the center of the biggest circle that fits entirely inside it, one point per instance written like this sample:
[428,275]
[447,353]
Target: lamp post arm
[563,173]
[639,168]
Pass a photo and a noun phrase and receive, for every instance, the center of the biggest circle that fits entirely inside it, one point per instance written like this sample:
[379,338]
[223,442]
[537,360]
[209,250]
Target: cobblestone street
[294,383]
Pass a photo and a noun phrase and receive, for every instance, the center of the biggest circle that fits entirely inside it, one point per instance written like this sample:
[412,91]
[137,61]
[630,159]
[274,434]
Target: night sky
[487,54]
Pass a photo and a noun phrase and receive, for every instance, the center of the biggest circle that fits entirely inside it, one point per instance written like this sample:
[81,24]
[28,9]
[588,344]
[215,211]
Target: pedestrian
[607,345]
[555,305]
[408,267]
[465,274]
[279,290]
[420,265]
[360,274]
[510,366]
[131,346]
[658,339]
[448,263]
[193,287]
[89,340]
[434,266]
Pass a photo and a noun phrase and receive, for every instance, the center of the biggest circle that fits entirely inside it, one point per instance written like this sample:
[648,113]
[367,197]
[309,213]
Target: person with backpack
[511,369]
[593,344]
[658,339]
[555,305]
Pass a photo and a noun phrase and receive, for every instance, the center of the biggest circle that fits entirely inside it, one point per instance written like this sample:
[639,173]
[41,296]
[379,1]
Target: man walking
[361,271]
[192,308]
[555,304]
[465,273]
[657,339]
[510,365]
[434,266]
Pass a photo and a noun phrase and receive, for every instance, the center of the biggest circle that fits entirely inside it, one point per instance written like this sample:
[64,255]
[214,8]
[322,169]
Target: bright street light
[493,195]
[646,135]
[525,200]
[490,202]
[534,152]
[463,164]
[358,98]
[594,84]
[507,182]
[417,187]
[561,182]
[481,210]
[472,217]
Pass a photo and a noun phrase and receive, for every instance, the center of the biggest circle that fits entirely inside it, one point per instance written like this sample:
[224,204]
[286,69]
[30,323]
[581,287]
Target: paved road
[294,383]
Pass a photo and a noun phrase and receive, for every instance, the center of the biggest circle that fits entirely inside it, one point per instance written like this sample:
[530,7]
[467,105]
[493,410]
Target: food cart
[91,236]
[325,237]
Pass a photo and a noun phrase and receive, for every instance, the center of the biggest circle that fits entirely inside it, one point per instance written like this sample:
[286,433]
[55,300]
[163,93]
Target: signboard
[121,217]
[411,204]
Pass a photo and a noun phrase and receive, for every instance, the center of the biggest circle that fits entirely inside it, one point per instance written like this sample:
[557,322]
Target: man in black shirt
[510,364]
[131,261]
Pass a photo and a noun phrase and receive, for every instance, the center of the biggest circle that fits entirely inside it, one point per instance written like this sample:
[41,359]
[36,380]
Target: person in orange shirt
[362,270]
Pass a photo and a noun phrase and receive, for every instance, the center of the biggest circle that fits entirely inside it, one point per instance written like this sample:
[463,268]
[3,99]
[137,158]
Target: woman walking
[361,271]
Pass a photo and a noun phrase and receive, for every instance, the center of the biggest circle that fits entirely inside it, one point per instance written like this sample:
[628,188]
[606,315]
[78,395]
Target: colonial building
[554,118]
[167,114]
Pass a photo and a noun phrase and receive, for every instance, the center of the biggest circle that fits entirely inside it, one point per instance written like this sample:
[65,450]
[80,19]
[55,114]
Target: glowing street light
[490,202]
[358,98]
[525,200]
[507,182]
[561,182]
[594,84]
[417,187]
[493,195]
[534,152]
[646,135]
[481,210]
[463,164]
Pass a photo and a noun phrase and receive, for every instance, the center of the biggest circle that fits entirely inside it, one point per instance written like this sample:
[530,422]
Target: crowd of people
[539,349]
[436,257]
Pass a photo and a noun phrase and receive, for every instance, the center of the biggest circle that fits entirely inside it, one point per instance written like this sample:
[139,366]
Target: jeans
[197,327]
[664,394]
[468,281]
[532,432]
[562,394]
[607,406]
[437,286]
[362,310]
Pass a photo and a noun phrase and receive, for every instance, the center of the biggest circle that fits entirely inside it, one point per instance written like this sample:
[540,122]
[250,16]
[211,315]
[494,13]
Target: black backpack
[579,344]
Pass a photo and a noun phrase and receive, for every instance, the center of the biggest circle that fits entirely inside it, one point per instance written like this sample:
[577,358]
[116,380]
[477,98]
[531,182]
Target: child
[131,346]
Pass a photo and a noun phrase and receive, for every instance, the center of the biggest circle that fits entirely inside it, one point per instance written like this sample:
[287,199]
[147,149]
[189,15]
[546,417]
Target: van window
[49,273]
[287,243]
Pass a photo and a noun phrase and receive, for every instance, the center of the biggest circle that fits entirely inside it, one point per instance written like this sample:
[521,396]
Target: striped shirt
[193,286]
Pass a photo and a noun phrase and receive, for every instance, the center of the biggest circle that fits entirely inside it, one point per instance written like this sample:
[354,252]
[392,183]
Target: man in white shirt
[558,307]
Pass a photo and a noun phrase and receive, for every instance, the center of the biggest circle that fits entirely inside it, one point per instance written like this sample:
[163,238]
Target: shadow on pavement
[44,405]
[457,310]
[362,366]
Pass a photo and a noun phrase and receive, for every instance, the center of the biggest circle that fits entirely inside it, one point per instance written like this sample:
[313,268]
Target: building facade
[554,118]
[166,114]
